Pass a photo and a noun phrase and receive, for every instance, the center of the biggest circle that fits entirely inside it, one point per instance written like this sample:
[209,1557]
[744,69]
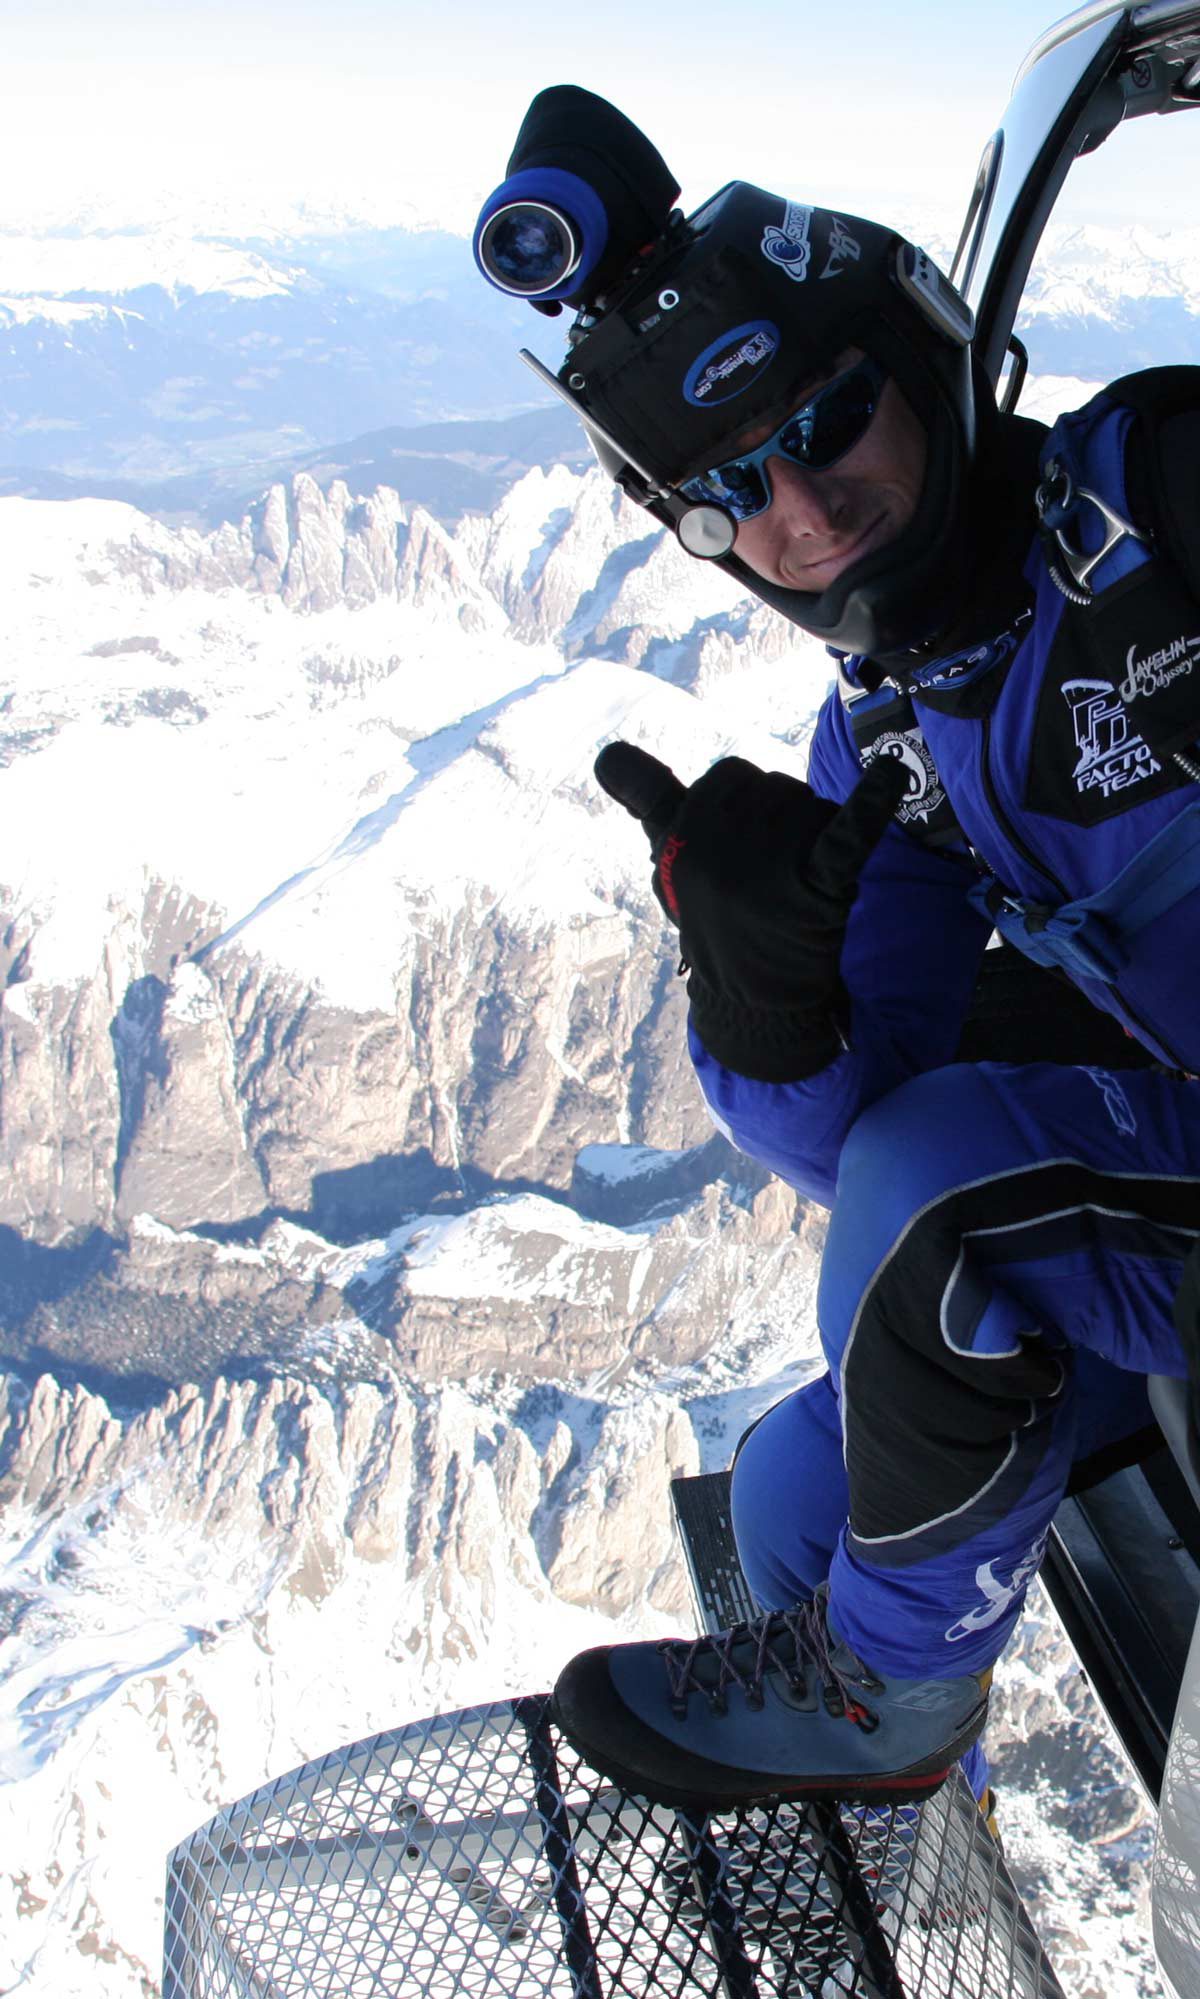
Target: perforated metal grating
[476,1854]
[1175,1882]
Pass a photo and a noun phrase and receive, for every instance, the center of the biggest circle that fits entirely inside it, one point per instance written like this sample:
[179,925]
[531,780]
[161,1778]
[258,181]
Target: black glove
[759,874]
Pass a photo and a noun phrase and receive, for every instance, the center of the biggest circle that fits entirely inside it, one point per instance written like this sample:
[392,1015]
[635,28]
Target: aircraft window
[1115,282]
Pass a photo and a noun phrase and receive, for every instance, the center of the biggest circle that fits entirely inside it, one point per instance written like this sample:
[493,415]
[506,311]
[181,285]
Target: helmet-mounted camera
[695,335]
[585,193]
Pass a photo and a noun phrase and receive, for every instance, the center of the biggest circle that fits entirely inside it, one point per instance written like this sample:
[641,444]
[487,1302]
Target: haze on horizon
[406,114]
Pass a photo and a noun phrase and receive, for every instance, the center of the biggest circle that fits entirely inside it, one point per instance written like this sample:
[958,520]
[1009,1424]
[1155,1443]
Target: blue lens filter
[530,246]
[541,234]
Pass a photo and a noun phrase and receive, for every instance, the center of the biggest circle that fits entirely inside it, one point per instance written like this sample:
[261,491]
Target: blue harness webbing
[1090,938]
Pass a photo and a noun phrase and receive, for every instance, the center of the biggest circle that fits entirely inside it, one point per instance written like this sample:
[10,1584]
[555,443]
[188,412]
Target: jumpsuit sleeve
[909,963]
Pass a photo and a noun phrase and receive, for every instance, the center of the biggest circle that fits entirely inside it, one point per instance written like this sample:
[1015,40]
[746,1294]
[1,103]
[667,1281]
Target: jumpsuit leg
[990,1221]
[790,1496]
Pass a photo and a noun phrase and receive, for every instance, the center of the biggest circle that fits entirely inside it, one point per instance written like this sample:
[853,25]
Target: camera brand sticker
[731,363]
[787,244]
[843,249]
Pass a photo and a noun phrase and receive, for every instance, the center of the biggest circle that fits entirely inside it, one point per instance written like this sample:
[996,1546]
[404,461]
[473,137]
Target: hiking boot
[778,1708]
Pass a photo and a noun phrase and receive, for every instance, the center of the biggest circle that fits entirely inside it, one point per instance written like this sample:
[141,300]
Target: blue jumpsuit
[1005,1241]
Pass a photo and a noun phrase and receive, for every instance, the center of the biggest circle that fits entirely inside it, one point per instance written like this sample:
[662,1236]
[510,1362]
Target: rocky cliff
[367,1262]
[330,748]
[210,1590]
[233,1579]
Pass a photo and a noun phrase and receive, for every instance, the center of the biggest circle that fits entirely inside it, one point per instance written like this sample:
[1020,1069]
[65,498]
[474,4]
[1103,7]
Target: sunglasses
[815,436]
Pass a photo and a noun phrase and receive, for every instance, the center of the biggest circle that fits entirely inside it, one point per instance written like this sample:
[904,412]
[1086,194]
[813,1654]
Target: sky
[416,104]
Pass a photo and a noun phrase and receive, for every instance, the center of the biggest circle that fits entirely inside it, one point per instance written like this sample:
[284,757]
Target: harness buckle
[1058,501]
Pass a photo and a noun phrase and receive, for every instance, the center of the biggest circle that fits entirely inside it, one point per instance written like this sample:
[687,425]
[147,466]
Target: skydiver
[1011,746]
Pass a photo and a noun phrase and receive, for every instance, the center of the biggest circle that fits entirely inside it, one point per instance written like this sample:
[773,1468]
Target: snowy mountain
[182,366]
[1103,301]
[340,676]
[281,985]
[367,1264]
[146,354]
[234,1579]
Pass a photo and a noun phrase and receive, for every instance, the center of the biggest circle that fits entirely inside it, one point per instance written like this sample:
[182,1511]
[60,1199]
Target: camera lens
[529,248]
[541,234]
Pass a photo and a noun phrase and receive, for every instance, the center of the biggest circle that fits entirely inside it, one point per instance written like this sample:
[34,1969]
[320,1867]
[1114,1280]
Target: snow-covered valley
[369,1263]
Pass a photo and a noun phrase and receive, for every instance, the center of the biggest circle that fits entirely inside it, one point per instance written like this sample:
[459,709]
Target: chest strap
[1092,938]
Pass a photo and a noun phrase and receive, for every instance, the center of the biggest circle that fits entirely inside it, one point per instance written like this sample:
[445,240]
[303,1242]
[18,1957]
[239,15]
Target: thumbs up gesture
[759,874]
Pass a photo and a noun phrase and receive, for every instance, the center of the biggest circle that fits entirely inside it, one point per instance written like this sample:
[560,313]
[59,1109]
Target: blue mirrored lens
[831,424]
[741,489]
[527,248]
[815,436]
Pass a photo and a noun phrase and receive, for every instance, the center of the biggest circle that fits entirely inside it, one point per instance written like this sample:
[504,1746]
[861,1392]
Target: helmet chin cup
[706,532]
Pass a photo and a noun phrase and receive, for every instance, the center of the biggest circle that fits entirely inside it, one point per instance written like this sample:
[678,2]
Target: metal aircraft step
[477,1853]
[1121,1570]
[723,1597]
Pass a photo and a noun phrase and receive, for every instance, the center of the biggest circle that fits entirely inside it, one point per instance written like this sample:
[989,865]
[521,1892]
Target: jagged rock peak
[314,550]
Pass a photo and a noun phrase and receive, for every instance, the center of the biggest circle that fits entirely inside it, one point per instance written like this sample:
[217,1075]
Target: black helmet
[714,326]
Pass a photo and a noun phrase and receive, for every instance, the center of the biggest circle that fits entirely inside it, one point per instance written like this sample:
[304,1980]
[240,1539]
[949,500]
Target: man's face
[818,523]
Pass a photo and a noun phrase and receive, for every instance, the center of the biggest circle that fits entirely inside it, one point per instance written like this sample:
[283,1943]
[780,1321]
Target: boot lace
[794,1643]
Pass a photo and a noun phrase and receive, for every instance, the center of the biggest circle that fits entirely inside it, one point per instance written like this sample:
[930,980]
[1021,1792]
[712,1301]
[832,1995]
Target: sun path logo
[786,243]
[730,364]
[1158,669]
[998,1596]
[843,249]
[1112,757]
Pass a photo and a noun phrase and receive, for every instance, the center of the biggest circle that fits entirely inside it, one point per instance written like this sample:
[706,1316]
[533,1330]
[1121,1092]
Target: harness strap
[883,723]
[1091,938]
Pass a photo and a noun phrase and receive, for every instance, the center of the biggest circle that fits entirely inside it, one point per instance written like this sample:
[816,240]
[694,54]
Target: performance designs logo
[925,792]
[731,364]
[787,244]
[998,1596]
[1112,756]
[1145,677]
